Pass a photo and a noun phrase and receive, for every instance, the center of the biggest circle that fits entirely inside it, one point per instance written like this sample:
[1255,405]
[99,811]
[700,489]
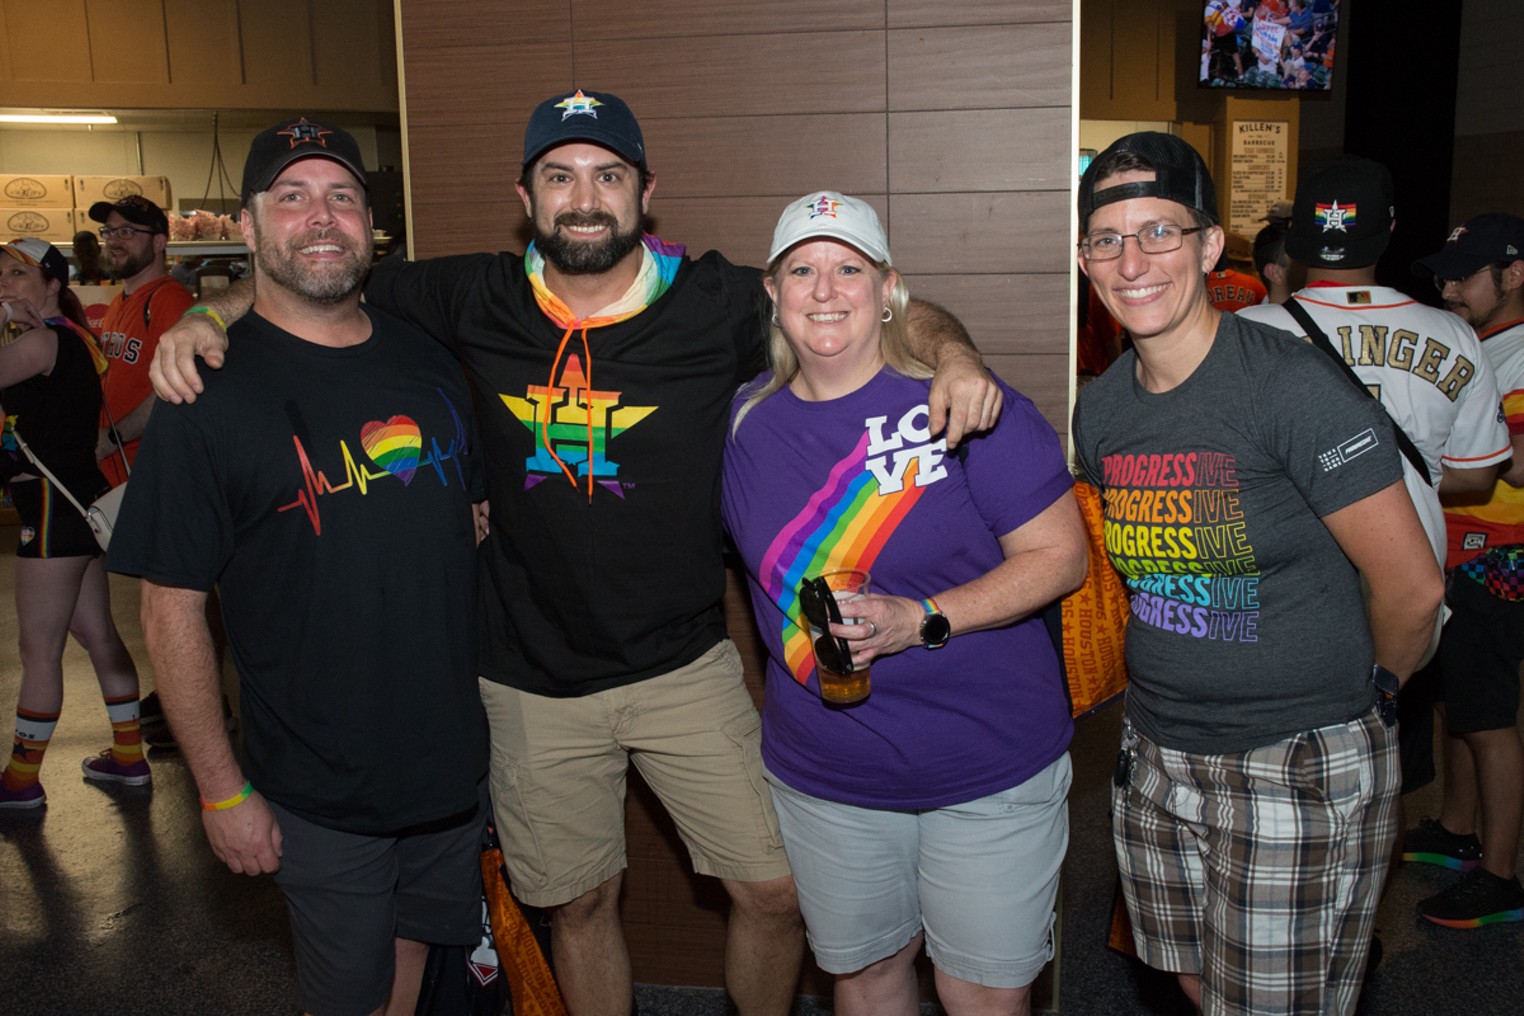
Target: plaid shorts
[1261,870]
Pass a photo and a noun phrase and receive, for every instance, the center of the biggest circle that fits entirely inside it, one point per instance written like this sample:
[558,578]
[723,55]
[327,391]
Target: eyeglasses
[820,609]
[1440,283]
[1159,238]
[107,232]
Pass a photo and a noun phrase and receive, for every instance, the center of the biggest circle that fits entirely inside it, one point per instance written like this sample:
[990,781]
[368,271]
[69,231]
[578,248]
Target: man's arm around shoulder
[244,836]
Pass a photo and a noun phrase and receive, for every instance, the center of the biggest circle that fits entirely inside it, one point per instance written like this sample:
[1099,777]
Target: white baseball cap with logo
[831,215]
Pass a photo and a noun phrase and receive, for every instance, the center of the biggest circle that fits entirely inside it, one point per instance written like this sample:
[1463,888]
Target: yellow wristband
[202,308]
[232,802]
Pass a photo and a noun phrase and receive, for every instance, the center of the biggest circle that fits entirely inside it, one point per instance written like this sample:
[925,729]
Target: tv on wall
[1284,44]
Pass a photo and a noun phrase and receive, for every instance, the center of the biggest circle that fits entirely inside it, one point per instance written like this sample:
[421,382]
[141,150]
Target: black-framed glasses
[1159,238]
[1440,283]
[820,609]
[107,232]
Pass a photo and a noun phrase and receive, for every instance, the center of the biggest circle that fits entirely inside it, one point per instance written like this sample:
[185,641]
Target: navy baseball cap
[1483,240]
[599,117]
[300,138]
[1342,217]
[136,209]
[1180,175]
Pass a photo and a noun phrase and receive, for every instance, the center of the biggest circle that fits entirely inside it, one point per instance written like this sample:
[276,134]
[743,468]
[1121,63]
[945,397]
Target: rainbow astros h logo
[1334,217]
[578,104]
[823,205]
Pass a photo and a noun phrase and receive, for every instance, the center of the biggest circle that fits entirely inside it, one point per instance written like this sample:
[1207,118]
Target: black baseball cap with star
[300,138]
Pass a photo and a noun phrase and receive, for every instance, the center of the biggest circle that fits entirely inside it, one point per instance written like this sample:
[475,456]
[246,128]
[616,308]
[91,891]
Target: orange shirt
[129,335]
[1232,290]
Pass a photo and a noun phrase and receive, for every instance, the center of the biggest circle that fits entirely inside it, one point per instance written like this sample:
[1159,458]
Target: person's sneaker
[1431,843]
[153,724]
[29,796]
[156,732]
[1479,898]
[104,769]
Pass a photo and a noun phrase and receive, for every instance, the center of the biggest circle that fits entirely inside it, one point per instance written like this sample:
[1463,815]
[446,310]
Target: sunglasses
[820,609]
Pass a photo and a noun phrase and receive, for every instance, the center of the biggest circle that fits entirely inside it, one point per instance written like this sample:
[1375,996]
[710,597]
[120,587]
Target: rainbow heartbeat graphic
[395,445]
[570,407]
[843,525]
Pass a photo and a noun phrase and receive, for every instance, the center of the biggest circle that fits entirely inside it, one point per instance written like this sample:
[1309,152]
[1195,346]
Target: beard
[124,264]
[325,282]
[581,257]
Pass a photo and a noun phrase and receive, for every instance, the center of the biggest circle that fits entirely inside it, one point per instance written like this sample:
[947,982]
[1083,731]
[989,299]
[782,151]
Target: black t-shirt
[327,493]
[56,414]
[579,593]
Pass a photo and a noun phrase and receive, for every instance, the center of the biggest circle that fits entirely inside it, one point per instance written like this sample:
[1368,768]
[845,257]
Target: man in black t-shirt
[328,491]
[605,360]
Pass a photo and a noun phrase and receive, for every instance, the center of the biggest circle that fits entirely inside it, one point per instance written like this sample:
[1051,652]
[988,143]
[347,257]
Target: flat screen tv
[1281,44]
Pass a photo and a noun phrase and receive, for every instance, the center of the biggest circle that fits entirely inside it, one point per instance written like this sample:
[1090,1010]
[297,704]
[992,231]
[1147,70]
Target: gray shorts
[980,878]
[350,896]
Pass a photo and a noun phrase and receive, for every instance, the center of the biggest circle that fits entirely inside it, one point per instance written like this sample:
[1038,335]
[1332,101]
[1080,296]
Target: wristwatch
[935,629]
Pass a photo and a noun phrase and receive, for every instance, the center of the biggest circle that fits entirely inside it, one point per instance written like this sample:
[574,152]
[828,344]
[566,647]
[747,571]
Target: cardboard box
[90,189]
[55,225]
[25,190]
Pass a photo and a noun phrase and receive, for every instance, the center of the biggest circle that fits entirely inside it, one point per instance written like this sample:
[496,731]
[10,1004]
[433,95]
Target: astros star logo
[823,206]
[1333,217]
[302,132]
[579,103]
[571,409]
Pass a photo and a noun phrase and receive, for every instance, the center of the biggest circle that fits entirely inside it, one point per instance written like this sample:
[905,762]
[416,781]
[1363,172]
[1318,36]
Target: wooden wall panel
[460,94]
[981,234]
[337,55]
[917,13]
[952,118]
[711,156]
[621,19]
[42,41]
[131,41]
[968,150]
[739,74]
[202,34]
[277,42]
[977,67]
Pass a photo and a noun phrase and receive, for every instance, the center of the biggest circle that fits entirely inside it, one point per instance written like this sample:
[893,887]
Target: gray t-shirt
[1248,622]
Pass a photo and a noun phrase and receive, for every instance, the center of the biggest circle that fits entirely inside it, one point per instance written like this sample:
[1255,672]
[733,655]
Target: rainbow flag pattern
[844,524]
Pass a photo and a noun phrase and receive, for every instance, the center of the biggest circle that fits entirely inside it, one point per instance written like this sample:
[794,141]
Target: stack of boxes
[54,208]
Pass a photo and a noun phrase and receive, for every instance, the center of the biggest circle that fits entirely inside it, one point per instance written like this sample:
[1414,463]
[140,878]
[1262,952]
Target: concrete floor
[111,902]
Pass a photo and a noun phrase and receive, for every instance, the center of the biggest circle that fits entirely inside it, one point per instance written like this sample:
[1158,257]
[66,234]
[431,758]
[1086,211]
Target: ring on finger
[872,629]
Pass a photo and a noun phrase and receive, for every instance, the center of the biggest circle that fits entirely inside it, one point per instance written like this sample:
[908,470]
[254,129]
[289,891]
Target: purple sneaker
[29,796]
[104,769]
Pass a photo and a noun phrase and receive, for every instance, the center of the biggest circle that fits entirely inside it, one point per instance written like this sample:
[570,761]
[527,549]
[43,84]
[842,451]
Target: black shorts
[1479,657]
[50,524]
[349,896]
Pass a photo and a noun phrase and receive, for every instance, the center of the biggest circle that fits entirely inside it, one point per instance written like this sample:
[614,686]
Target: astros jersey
[1498,522]
[1427,368]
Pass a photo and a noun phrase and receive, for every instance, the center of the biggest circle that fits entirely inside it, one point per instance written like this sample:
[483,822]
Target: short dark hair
[1269,246]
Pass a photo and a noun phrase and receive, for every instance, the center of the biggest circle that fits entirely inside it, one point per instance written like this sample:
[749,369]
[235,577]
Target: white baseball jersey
[1427,368]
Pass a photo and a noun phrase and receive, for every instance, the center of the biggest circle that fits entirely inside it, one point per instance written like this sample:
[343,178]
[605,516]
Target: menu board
[1257,167]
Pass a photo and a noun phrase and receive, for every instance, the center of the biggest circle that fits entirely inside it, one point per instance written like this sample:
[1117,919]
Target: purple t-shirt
[858,482]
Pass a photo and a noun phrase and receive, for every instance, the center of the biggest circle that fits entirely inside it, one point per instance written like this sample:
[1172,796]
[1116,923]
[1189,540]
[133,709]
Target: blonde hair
[893,343]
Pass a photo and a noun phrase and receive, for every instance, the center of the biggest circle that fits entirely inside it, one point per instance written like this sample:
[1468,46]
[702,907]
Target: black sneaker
[1479,898]
[1432,843]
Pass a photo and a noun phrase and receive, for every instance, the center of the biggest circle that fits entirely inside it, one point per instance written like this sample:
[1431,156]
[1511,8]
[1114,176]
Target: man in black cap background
[326,487]
[605,360]
[1480,275]
[135,232]
[1425,366]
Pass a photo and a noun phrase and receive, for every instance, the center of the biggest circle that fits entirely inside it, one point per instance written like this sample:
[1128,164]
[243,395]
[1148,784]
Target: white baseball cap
[833,215]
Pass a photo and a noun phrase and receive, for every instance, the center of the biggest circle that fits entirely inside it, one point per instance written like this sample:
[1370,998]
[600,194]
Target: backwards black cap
[1180,175]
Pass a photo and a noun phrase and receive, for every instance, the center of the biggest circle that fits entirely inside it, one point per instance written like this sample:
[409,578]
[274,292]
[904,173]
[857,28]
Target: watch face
[935,631]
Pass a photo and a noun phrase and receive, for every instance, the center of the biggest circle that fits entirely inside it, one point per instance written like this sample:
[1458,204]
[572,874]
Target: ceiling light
[58,118]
